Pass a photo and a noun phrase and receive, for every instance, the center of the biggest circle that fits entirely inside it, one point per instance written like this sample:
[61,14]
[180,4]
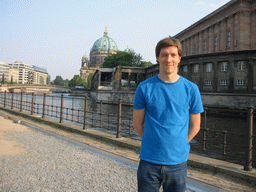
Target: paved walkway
[219,173]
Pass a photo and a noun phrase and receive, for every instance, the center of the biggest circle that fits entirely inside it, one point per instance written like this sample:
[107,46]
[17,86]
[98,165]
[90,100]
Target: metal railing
[214,141]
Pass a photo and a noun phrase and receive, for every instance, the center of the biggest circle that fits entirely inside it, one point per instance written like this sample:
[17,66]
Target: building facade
[13,75]
[102,47]
[40,76]
[4,71]
[27,74]
[219,51]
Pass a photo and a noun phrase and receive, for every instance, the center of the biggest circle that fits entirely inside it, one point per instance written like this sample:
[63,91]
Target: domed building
[102,47]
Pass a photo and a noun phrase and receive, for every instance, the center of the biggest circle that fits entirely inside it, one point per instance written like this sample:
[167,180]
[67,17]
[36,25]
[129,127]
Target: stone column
[112,77]
[129,81]
[99,78]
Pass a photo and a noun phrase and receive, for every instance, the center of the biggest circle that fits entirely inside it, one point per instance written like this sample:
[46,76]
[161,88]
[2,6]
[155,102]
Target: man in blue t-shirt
[167,116]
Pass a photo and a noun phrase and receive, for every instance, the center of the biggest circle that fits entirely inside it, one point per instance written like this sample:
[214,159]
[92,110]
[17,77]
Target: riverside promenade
[33,161]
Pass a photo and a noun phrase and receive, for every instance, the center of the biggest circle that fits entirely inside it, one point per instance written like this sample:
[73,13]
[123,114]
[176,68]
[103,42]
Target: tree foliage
[123,58]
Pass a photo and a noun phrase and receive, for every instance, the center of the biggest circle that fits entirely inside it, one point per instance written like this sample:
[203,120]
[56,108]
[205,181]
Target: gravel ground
[43,163]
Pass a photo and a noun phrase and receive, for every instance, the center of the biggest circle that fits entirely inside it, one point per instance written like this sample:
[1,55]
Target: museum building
[219,51]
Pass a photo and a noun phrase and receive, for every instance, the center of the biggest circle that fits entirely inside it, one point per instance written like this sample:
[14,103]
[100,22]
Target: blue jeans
[151,176]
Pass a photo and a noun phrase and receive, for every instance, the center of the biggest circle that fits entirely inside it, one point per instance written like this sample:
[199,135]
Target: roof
[105,43]
[39,69]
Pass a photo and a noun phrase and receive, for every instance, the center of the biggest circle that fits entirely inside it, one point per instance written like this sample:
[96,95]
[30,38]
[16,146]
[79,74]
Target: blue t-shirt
[167,108]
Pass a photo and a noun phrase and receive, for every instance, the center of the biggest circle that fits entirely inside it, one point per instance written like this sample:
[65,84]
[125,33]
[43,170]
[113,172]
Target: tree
[136,58]
[89,81]
[146,64]
[58,80]
[121,58]
[125,58]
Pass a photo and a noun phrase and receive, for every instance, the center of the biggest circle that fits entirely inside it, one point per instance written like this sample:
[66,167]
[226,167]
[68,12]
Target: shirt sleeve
[139,99]
[196,105]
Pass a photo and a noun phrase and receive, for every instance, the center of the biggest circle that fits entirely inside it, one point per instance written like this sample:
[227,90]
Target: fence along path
[236,147]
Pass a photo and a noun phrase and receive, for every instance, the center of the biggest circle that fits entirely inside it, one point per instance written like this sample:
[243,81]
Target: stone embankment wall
[209,99]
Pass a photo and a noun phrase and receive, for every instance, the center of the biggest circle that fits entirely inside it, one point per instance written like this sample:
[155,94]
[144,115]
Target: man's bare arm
[138,121]
[195,122]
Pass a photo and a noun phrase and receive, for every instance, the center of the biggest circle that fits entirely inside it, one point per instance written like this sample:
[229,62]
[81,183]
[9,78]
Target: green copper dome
[105,43]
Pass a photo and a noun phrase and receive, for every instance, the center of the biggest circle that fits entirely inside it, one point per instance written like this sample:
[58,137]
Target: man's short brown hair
[167,42]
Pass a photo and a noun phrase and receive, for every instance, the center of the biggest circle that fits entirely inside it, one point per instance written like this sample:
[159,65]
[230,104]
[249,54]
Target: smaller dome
[85,56]
[127,49]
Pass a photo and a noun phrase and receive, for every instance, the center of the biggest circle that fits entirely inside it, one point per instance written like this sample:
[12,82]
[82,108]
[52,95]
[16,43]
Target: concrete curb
[196,161]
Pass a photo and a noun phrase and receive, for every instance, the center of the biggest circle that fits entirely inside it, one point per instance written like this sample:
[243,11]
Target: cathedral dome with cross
[101,48]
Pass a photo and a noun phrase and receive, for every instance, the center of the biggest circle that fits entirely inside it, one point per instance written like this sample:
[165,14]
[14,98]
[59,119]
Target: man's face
[169,60]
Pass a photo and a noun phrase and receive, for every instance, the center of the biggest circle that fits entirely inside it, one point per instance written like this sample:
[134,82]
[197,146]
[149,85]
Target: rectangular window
[196,68]
[185,68]
[229,39]
[240,82]
[208,67]
[215,43]
[195,49]
[241,65]
[224,66]
[223,82]
[208,82]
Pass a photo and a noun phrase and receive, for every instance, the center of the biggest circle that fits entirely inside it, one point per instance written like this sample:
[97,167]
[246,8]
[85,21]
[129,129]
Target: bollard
[85,113]
[43,112]
[248,158]
[61,108]
[4,98]
[118,131]
[32,104]
[21,100]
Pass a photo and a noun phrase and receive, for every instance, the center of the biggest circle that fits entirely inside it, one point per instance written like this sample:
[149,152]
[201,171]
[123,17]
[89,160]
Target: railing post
[21,100]
[12,99]
[118,131]
[224,142]
[61,108]
[248,159]
[100,114]
[85,113]
[44,98]
[32,104]
[4,98]
[205,129]
[205,112]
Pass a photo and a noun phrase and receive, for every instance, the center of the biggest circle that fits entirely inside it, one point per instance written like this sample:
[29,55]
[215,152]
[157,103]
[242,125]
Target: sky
[55,34]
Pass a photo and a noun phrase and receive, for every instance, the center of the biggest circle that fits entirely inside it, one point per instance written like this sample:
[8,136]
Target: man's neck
[170,78]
